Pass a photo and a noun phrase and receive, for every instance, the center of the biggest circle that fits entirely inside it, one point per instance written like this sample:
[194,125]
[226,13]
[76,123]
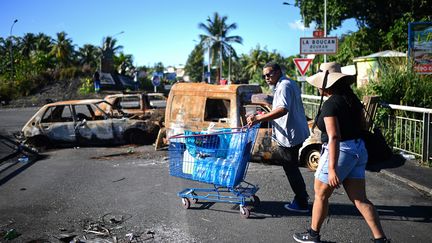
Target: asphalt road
[83,192]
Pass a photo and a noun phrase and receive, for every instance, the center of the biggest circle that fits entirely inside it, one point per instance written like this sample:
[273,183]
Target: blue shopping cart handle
[233,130]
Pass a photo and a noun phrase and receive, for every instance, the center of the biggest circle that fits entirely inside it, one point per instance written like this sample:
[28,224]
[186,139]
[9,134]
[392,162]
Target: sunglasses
[268,75]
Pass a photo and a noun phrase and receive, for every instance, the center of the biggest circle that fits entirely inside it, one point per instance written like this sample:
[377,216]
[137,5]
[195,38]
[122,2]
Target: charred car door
[58,125]
[94,126]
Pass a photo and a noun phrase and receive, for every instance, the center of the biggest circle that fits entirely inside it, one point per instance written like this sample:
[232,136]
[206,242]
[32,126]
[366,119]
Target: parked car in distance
[157,100]
[138,106]
[197,106]
[85,122]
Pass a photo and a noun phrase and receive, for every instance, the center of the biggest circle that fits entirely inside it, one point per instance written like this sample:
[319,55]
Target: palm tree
[217,40]
[238,69]
[258,58]
[108,50]
[4,52]
[125,61]
[28,44]
[43,43]
[88,54]
[6,45]
[62,49]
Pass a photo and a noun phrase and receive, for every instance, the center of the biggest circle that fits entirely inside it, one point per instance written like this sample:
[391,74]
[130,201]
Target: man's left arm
[274,114]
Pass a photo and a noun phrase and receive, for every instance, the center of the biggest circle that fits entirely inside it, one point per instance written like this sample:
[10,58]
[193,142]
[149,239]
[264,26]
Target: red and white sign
[318,33]
[423,68]
[302,64]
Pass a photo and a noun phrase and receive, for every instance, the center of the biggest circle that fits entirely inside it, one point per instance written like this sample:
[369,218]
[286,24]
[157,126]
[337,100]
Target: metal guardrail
[310,104]
[407,129]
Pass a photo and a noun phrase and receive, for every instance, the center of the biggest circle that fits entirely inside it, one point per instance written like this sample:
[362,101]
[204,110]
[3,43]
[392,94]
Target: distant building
[180,72]
[368,66]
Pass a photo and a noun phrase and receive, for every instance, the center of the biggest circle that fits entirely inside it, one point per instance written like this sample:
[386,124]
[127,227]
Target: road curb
[413,184]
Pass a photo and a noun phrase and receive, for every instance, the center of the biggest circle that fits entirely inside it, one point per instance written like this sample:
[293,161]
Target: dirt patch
[56,91]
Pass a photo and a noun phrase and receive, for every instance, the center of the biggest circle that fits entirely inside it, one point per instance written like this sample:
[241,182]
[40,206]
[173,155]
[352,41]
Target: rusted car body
[138,106]
[196,106]
[83,122]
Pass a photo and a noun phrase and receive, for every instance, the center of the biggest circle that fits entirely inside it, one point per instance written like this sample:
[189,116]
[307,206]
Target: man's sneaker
[306,237]
[295,207]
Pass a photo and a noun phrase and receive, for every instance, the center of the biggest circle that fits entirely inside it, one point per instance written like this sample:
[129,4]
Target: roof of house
[387,53]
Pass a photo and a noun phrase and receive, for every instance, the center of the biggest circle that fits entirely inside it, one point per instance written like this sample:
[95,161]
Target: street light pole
[220,57]
[119,33]
[325,25]
[11,47]
[209,60]
[229,67]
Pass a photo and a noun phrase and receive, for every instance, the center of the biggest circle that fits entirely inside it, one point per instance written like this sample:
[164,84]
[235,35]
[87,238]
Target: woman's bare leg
[320,204]
[356,191]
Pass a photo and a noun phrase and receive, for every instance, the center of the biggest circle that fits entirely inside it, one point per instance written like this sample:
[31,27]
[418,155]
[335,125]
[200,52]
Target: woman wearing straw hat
[344,156]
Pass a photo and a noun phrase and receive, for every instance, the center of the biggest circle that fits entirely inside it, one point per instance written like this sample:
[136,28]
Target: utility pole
[11,48]
[220,59]
[229,67]
[209,60]
[325,25]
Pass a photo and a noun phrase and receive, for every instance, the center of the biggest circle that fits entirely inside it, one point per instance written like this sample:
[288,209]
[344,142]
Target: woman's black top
[348,117]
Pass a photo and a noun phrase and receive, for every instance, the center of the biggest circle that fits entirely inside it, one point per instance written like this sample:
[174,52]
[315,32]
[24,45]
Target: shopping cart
[219,158]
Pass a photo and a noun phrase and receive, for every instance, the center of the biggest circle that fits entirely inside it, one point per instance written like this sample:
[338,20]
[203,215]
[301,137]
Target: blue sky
[159,30]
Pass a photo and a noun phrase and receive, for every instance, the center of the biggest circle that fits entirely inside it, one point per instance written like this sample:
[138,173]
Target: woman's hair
[343,88]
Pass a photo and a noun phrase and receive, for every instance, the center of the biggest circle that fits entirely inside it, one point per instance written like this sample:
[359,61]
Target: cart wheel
[185,202]
[194,200]
[244,212]
[255,201]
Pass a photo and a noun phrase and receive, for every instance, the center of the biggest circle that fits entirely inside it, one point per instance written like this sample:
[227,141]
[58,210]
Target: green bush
[87,86]
[398,83]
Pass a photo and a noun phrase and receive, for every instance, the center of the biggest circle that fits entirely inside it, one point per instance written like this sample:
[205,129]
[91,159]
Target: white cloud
[298,25]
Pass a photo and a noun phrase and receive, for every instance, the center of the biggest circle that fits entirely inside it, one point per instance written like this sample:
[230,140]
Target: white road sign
[324,45]
[302,64]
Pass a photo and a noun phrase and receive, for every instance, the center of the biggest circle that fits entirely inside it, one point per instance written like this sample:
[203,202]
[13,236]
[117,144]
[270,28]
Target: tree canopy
[375,14]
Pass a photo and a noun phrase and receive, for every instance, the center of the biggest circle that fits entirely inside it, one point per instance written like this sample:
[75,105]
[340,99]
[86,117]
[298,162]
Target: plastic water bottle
[23,159]
[408,156]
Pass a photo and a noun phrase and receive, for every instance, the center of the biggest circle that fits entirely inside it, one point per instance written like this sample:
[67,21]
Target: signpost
[324,45]
[155,81]
[302,64]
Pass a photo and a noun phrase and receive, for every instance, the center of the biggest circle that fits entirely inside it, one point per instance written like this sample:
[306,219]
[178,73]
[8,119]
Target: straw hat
[334,74]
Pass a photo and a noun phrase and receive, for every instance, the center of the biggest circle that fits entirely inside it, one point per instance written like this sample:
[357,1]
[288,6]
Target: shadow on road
[269,209]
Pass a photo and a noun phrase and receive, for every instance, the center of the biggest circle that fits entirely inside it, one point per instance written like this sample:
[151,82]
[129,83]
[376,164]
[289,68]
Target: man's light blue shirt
[290,129]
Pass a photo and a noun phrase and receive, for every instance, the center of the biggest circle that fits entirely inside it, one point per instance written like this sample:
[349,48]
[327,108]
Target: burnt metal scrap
[15,157]
[11,148]
[109,228]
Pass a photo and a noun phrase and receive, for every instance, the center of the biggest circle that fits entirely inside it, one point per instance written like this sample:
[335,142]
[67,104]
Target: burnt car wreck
[89,122]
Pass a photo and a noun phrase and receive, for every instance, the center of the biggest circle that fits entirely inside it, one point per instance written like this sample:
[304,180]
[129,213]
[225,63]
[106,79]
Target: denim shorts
[351,164]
